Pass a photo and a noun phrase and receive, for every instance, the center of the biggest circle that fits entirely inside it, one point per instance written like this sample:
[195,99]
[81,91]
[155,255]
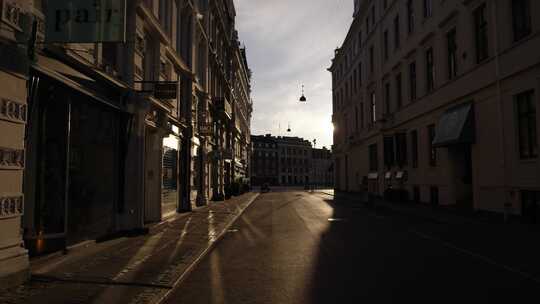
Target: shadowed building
[103,145]
[437,102]
[322,168]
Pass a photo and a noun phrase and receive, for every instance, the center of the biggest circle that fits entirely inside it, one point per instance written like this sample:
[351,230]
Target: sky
[290,43]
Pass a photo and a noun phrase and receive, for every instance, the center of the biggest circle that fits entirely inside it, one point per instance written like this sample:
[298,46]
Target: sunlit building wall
[437,102]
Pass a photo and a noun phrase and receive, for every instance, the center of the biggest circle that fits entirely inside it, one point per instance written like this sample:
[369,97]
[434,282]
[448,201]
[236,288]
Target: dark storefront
[74,158]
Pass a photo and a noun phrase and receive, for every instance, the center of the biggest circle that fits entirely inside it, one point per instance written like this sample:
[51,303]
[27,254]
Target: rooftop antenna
[303,98]
[289,128]
[314,143]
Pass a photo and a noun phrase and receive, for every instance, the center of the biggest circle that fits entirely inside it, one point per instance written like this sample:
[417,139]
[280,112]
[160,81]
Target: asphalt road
[297,247]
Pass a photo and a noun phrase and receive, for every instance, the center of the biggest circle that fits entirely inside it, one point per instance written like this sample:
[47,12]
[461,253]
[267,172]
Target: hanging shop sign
[166,90]
[206,129]
[84,21]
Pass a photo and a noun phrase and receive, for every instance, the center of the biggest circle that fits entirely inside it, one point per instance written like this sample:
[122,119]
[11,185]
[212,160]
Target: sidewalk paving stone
[139,269]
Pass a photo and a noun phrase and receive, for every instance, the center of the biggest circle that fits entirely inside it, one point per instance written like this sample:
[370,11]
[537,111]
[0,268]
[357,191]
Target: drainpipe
[507,205]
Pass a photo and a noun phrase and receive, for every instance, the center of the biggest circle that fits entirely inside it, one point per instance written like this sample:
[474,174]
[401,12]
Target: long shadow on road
[375,257]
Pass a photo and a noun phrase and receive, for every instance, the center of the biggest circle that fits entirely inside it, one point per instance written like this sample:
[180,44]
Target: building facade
[322,168]
[289,161]
[265,160]
[294,155]
[91,146]
[438,101]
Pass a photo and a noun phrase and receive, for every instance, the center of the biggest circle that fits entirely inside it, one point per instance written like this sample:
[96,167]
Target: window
[452,56]
[387,108]
[412,80]
[373,15]
[355,80]
[360,74]
[527,134]
[399,97]
[385,41]
[432,150]
[410,16]
[481,37]
[388,152]
[428,8]
[373,108]
[401,149]
[396,33]
[414,148]
[371,59]
[356,118]
[362,115]
[521,18]
[359,40]
[430,71]
[367,24]
[385,4]
[373,158]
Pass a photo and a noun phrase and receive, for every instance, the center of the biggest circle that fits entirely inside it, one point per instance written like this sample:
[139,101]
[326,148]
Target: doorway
[152,175]
[460,157]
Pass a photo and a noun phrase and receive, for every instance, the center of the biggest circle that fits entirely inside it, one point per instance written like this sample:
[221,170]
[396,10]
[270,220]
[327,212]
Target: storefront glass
[169,195]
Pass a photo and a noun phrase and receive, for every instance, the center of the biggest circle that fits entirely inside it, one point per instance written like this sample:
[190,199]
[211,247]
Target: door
[152,180]
[52,143]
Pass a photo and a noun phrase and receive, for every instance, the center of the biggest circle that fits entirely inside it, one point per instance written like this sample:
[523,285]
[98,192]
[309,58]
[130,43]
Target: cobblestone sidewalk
[130,270]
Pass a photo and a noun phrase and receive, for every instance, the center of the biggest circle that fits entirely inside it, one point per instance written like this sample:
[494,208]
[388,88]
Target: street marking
[476,256]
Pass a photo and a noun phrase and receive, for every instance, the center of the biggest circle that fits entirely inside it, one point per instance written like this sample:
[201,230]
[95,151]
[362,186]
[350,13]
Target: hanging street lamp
[303,98]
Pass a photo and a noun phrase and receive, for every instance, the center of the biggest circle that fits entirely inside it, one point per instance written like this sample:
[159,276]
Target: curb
[205,252]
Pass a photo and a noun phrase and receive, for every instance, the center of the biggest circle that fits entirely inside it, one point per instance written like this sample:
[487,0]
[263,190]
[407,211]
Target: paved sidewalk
[141,269]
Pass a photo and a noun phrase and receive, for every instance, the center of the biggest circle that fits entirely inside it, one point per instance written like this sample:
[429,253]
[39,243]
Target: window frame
[431,149]
[430,70]
[527,119]
[521,32]
[413,81]
[481,33]
[414,148]
[451,47]
[410,16]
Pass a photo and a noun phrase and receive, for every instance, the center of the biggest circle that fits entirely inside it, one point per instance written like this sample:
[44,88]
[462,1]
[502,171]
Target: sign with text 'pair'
[86,21]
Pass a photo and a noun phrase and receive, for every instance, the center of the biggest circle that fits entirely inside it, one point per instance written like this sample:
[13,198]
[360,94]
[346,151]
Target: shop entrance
[72,179]
[170,175]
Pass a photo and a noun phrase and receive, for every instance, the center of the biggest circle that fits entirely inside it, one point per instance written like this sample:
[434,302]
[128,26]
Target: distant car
[265,188]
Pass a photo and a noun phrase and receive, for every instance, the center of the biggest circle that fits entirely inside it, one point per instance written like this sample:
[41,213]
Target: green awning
[456,126]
